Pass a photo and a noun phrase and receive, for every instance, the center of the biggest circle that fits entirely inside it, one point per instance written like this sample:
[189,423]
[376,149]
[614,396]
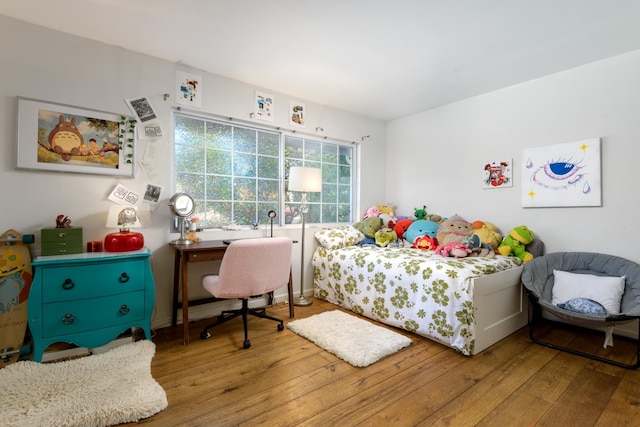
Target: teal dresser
[89,299]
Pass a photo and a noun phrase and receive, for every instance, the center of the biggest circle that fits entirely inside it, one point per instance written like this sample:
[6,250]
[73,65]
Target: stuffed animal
[434,218]
[514,243]
[453,249]
[535,248]
[372,211]
[426,242]
[385,236]
[454,229]
[401,226]
[420,227]
[487,232]
[477,248]
[388,215]
[421,213]
[369,226]
[388,219]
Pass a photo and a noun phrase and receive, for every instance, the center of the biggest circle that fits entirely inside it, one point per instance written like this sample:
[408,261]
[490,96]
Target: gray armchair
[538,278]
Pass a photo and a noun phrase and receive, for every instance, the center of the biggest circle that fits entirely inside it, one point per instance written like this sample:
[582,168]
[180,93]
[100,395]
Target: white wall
[52,66]
[436,157]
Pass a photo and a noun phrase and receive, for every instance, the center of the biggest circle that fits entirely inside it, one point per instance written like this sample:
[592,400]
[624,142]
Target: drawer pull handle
[68,284]
[68,319]
[124,278]
[124,310]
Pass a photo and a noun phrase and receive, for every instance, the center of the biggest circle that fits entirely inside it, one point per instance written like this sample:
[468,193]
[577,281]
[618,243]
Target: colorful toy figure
[426,242]
[421,213]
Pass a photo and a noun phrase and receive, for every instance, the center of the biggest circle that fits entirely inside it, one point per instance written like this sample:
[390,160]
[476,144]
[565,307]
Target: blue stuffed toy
[419,228]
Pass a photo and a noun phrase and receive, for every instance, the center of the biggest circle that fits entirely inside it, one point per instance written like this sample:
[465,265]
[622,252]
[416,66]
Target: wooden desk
[211,250]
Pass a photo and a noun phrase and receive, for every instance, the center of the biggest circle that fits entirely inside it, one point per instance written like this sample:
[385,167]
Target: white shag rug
[352,339]
[99,390]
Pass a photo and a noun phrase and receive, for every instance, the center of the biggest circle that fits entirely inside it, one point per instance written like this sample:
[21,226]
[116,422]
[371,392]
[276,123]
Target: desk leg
[185,301]
[176,286]
[291,313]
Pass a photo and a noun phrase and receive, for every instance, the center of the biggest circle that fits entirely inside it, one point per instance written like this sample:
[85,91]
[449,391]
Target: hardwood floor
[285,380]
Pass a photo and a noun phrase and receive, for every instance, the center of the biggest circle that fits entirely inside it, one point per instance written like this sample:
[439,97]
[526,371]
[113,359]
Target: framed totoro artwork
[65,138]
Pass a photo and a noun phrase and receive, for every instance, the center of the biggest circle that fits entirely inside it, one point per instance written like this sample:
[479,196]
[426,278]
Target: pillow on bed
[605,290]
[339,237]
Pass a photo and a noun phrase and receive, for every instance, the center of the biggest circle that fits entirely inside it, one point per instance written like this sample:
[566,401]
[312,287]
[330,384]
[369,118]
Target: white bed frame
[501,307]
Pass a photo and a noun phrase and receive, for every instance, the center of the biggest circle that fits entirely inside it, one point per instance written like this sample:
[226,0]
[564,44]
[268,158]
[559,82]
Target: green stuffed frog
[369,226]
[514,243]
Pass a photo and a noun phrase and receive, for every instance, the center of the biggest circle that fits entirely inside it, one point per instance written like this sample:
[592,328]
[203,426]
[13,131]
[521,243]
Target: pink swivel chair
[249,268]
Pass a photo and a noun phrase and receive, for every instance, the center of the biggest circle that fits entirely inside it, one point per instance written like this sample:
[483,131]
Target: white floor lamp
[306,180]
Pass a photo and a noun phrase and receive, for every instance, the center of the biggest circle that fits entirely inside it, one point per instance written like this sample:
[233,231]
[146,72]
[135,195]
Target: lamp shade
[125,218]
[308,180]
[128,217]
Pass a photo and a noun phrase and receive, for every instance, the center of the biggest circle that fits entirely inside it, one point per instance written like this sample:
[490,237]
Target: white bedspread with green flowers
[408,288]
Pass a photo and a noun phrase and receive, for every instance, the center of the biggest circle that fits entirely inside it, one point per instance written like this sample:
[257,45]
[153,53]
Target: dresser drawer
[61,241]
[91,280]
[64,318]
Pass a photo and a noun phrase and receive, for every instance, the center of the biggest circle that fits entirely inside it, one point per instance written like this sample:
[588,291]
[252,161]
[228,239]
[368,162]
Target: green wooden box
[61,241]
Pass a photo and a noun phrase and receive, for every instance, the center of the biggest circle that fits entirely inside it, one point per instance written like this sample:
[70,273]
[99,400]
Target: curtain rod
[263,125]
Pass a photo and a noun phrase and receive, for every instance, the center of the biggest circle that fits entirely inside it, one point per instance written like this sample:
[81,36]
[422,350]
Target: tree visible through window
[235,172]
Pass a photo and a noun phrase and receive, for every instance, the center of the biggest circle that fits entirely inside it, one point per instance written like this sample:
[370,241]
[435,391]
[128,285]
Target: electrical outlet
[174,225]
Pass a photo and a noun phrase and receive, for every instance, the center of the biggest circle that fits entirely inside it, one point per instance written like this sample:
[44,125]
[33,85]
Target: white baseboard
[49,356]
[205,311]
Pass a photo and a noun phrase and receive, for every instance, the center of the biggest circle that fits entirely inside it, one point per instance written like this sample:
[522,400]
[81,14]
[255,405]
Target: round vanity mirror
[182,205]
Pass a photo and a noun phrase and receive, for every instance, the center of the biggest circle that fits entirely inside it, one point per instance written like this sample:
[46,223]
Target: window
[334,203]
[235,173]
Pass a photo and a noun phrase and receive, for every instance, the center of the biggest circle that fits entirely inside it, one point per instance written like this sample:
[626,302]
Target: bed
[467,304]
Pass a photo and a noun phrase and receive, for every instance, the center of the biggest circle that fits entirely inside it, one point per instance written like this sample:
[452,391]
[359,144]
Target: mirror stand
[182,240]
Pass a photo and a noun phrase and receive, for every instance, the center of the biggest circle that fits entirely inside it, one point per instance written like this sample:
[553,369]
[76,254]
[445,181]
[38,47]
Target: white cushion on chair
[606,290]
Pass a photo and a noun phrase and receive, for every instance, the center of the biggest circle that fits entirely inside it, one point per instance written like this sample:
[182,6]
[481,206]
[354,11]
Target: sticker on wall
[264,106]
[297,111]
[188,89]
[498,174]
[562,175]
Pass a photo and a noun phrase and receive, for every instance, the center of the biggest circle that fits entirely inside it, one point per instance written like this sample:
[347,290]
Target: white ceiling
[380,58]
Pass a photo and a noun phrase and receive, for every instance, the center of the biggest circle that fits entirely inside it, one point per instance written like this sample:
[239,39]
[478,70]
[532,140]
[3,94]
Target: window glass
[238,173]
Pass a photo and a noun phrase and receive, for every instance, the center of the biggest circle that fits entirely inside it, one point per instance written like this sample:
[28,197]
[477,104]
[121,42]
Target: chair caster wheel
[246,344]
[205,335]
[280,327]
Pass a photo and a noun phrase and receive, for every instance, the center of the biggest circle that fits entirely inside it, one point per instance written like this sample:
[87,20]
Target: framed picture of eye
[64,138]
[562,175]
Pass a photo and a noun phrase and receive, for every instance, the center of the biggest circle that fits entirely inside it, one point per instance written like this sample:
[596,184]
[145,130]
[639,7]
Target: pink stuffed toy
[453,249]
[372,211]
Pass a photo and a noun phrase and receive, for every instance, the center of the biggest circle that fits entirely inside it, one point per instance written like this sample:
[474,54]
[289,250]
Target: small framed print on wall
[497,174]
[65,138]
